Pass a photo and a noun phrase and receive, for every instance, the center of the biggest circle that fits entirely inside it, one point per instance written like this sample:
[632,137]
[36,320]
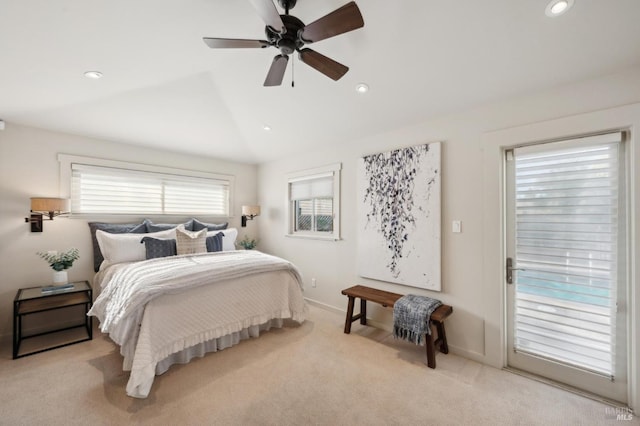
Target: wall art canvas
[399,216]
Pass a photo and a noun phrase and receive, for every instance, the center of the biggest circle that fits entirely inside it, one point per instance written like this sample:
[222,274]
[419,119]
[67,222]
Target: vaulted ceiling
[163,87]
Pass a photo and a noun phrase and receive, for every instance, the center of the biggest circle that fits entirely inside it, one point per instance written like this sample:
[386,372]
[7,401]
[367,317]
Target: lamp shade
[251,210]
[49,205]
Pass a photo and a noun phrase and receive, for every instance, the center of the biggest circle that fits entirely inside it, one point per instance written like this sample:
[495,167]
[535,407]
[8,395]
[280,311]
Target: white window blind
[567,203]
[110,190]
[319,186]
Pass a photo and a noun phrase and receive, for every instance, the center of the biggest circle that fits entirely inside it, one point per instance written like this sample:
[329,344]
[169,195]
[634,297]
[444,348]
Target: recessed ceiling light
[558,7]
[93,74]
[362,88]
[266,128]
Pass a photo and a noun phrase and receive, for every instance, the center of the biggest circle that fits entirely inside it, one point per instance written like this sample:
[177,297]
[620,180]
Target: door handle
[510,270]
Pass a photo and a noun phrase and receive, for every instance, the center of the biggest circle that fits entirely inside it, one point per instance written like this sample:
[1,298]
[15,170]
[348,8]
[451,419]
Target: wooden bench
[386,299]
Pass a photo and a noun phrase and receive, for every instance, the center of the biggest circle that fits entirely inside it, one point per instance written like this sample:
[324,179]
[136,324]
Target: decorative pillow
[228,238]
[156,247]
[161,247]
[188,242]
[199,226]
[157,227]
[118,248]
[214,242]
[112,228]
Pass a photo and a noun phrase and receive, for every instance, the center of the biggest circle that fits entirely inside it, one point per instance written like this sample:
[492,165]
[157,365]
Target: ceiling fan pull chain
[293,84]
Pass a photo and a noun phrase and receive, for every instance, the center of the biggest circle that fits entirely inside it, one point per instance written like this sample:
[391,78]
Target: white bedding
[175,316]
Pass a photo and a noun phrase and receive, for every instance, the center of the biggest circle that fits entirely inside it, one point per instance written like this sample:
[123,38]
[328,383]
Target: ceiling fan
[289,34]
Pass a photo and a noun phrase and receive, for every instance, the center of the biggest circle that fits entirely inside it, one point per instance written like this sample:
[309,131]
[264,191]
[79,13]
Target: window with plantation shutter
[567,237]
[313,198]
[97,189]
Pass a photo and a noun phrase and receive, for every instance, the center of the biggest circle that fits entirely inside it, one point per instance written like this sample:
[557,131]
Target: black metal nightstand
[34,300]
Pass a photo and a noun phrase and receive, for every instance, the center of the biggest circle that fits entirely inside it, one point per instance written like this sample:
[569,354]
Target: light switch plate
[456,226]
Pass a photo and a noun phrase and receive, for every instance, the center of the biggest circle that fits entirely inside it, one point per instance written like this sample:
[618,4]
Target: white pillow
[229,238]
[118,248]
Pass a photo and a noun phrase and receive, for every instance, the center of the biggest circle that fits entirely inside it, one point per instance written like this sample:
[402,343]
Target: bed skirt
[215,345]
[141,387]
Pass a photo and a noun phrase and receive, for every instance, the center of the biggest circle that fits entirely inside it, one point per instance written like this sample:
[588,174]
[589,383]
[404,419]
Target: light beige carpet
[311,374]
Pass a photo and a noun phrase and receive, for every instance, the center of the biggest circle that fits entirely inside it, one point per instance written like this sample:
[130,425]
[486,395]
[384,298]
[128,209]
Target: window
[314,203]
[110,187]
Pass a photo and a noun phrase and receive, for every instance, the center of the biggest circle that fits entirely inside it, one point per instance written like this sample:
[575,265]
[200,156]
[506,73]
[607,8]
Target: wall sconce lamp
[50,207]
[248,213]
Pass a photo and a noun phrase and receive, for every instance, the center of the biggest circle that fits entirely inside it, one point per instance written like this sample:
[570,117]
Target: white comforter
[159,307]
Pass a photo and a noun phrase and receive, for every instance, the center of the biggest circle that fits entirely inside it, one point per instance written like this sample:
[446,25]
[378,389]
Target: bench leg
[363,312]
[347,322]
[431,351]
[442,338]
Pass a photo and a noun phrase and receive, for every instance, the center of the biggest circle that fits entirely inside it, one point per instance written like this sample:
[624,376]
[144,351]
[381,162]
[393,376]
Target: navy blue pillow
[199,226]
[112,228]
[214,242]
[156,247]
[157,227]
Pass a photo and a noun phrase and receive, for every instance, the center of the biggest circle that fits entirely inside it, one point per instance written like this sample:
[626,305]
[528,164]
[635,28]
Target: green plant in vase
[248,243]
[60,262]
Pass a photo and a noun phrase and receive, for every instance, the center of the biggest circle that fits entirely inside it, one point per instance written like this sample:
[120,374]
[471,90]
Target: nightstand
[35,300]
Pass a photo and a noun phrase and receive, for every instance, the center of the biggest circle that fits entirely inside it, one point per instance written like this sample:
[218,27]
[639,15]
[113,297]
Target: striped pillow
[188,242]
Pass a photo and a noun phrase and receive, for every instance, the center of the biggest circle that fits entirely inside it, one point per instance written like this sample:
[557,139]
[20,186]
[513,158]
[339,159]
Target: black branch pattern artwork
[390,179]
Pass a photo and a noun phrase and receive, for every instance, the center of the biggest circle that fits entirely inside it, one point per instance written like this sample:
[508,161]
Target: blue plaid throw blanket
[411,315]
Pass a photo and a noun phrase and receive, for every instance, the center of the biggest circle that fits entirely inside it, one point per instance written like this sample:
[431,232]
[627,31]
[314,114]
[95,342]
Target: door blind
[566,250]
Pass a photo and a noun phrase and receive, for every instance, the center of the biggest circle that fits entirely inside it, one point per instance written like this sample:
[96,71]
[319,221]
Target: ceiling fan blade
[327,66]
[230,43]
[269,14]
[276,72]
[344,19]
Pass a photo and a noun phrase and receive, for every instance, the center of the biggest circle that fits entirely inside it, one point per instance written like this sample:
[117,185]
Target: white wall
[29,168]
[476,328]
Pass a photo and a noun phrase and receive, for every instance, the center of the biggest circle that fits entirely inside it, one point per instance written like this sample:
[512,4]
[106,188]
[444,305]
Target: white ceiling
[163,87]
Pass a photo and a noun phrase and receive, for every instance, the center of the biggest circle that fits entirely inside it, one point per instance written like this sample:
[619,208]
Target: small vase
[60,277]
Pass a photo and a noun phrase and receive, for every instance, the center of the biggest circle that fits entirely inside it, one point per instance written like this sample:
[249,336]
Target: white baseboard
[325,306]
[465,353]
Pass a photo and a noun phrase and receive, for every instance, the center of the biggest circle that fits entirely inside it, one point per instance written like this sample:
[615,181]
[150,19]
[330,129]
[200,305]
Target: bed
[169,309]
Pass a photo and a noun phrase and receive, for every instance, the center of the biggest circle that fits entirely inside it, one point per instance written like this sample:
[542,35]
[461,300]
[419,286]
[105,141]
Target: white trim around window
[313,203]
[92,184]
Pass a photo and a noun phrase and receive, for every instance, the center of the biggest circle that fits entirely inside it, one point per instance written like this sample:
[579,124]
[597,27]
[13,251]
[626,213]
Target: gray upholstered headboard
[142,228]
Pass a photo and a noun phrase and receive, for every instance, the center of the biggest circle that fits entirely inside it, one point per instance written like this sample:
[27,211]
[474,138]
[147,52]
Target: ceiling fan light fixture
[558,7]
[95,75]
[362,88]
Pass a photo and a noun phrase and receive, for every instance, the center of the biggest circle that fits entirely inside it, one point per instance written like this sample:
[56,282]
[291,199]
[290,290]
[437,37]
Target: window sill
[314,237]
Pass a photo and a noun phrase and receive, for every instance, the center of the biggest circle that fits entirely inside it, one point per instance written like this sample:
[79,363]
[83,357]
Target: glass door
[566,263]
